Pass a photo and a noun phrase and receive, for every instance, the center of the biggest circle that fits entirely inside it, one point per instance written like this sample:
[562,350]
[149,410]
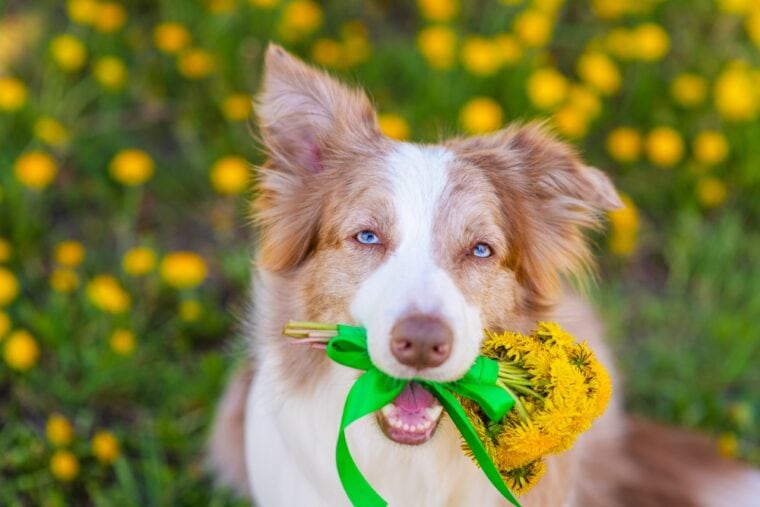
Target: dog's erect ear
[303,113]
[549,196]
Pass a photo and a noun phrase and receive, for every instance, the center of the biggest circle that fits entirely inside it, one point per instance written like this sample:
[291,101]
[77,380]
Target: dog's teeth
[406,427]
[387,410]
[396,423]
[433,412]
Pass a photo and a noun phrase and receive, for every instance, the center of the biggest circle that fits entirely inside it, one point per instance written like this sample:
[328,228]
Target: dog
[424,246]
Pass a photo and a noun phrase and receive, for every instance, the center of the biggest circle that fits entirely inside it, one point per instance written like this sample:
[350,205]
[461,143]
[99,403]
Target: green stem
[518,404]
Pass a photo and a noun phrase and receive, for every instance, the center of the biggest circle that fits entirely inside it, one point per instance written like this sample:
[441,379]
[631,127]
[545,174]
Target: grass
[680,284]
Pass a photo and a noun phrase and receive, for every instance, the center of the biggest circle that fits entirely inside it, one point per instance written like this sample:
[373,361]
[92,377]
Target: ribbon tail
[459,417]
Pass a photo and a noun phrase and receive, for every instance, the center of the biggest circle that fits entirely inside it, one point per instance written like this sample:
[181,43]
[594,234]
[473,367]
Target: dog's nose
[421,341]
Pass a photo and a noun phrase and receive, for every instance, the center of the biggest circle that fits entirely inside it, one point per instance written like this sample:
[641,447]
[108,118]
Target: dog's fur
[332,174]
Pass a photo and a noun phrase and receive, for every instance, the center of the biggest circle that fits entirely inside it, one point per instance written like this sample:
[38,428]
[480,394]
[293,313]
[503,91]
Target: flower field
[125,177]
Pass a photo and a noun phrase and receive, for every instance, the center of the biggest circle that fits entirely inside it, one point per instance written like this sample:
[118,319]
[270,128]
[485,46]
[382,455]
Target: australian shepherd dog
[425,245]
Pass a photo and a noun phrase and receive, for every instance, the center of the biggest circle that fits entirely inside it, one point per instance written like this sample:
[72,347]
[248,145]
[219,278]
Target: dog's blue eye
[481,250]
[368,238]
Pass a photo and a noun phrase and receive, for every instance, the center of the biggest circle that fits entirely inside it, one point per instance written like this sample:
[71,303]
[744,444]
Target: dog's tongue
[414,398]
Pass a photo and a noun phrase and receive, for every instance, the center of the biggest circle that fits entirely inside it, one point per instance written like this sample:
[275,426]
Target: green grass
[682,309]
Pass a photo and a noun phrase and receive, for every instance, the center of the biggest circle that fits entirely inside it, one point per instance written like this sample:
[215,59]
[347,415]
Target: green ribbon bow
[374,389]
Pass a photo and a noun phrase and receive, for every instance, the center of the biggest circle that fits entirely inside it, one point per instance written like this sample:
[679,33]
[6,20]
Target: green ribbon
[374,389]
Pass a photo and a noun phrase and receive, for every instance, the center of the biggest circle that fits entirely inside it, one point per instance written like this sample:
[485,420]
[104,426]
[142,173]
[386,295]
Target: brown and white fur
[332,174]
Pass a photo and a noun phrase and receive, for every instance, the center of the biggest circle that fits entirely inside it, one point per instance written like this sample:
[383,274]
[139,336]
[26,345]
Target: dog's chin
[412,418]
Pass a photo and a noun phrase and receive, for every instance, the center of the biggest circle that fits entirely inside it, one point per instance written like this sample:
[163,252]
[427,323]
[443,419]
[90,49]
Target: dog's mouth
[411,418]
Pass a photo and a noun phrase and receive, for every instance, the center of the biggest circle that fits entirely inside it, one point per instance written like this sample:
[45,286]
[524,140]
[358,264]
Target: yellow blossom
[547,88]
[69,253]
[609,9]
[728,445]
[299,19]
[600,72]
[6,250]
[139,261]
[8,287]
[195,63]
[736,96]
[571,121]
[710,147]
[438,10]
[394,126]
[264,4]
[58,430]
[12,94]
[83,12]
[752,25]
[110,17]
[68,52]
[35,169]
[651,42]
[105,447]
[230,175]
[50,131]
[480,56]
[237,107]
[585,100]
[533,27]
[508,48]
[21,351]
[190,310]
[621,42]
[625,228]
[328,53]
[171,37]
[437,44]
[689,89]
[122,341]
[221,6]
[481,115]
[5,324]
[664,147]
[734,6]
[183,270]
[105,292]
[624,144]
[64,280]
[110,72]
[711,192]
[64,465]
[131,167]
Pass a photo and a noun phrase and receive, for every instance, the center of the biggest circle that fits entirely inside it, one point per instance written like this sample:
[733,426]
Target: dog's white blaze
[410,279]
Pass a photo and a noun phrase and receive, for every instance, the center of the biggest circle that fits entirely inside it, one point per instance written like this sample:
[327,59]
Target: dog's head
[424,245]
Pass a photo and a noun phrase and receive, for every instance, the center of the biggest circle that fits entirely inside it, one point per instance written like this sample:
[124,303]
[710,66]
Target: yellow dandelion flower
[110,72]
[110,17]
[522,479]
[105,447]
[131,167]
[190,310]
[6,250]
[195,63]
[585,100]
[122,341]
[394,126]
[664,147]
[35,169]
[533,27]
[64,280]
[652,42]
[728,445]
[328,53]
[736,96]
[571,122]
[237,107]
[230,175]
[8,287]
[183,270]
[620,42]
[264,4]
[437,45]
[300,18]
[523,443]
[139,261]
[58,430]
[480,56]
[69,253]
[64,466]
[13,94]
[625,227]
[171,37]
[710,147]
[68,52]
[438,10]
[624,144]
[752,25]
[689,89]
[21,351]
[734,6]
[600,72]
[82,12]
[50,131]
[481,115]
[711,192]
[221,6]
[547,88]
[508,48]
[106,294]
[609,9]
[5,324]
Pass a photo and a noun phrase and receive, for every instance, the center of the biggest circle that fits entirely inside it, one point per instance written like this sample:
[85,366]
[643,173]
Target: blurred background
[125,155]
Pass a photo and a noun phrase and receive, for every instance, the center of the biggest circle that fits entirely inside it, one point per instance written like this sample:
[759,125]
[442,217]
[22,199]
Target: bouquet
[526,397]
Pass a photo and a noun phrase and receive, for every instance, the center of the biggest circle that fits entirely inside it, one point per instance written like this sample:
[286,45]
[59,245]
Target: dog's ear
[549,197]
[307,120]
